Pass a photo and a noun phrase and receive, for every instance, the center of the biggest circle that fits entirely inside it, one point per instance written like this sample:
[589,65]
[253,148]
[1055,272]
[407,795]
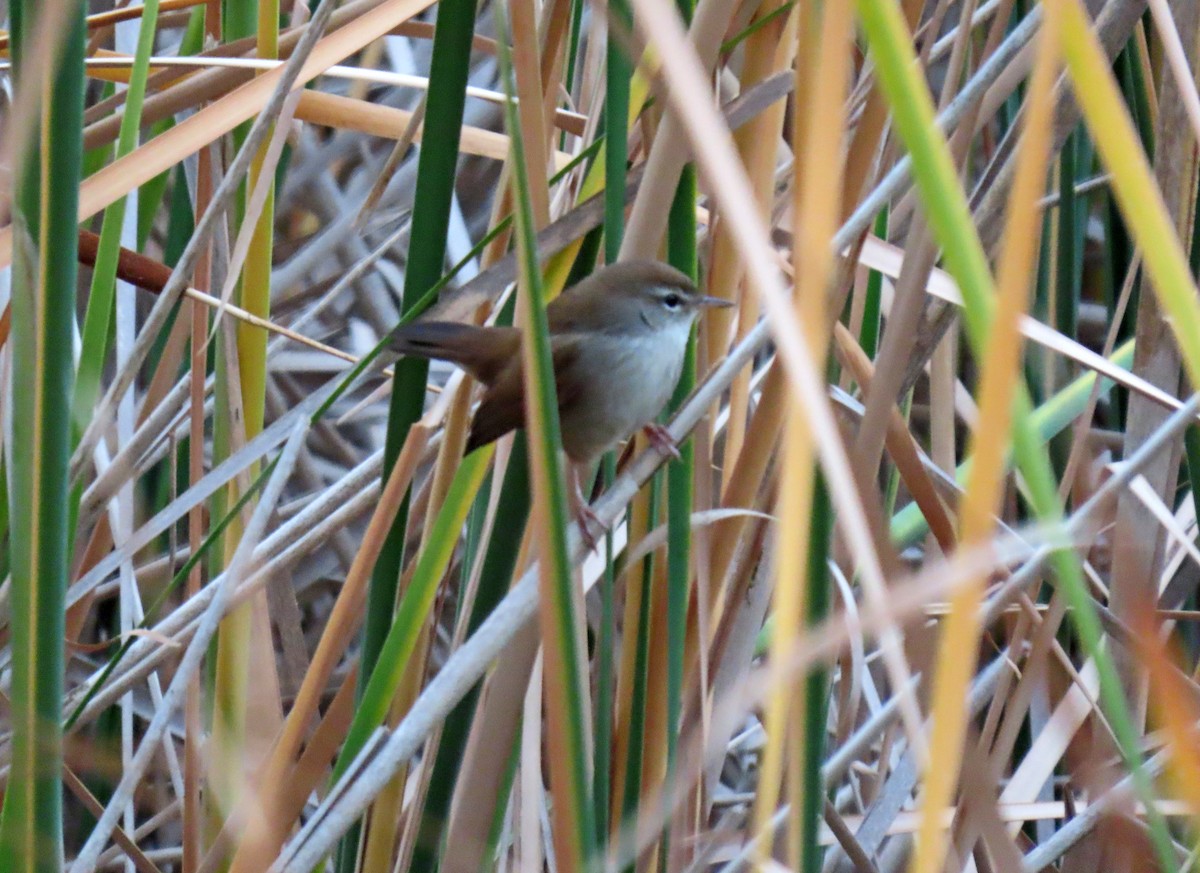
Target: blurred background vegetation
[920,592]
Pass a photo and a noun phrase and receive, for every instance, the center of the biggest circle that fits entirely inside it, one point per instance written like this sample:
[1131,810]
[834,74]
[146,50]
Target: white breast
[635,377]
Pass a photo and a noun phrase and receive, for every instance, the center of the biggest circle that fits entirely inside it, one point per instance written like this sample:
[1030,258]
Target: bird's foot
[661,439]
[585,516]
[587,519]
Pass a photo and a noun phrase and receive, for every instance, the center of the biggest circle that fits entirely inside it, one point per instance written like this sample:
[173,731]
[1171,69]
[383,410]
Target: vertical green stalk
[816,683]
[602,714]
[868,335]
[436,168]
[45,206]
[1037,361]
[499,562]
[256,274]
[231,685]
[1120,254]
[1066,273]
[1137,98]
[565,675]
[618,70]
[98,317]
[97,323]
[436,173]
[635,746]
[681,252]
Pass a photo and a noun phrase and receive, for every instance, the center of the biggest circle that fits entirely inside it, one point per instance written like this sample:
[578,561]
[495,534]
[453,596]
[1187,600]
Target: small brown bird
[618,340]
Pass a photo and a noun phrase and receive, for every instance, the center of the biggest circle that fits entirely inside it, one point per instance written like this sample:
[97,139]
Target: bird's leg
[661,439]
[583,512]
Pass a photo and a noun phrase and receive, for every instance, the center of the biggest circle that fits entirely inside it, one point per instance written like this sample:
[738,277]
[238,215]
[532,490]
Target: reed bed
[919,591]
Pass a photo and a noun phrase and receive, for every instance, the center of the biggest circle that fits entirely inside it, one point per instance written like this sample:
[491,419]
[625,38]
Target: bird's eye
[672,301]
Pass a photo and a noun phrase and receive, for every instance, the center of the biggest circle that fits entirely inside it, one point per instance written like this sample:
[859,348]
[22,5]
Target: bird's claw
[661,439]
[586,517]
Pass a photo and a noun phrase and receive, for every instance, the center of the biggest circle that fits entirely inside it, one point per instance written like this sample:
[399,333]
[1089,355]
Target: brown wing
[503,406]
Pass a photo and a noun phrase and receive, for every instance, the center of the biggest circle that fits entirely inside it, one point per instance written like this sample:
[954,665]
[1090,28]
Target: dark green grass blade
[436,172]
[43,312]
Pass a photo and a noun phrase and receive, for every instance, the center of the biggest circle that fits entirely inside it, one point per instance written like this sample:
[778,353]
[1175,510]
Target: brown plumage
[617,338]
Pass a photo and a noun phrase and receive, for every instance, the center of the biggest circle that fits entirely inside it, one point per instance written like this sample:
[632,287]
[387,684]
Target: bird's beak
[713,303]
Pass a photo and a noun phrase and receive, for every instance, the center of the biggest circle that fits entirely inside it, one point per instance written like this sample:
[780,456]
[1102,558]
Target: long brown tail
[481,351]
